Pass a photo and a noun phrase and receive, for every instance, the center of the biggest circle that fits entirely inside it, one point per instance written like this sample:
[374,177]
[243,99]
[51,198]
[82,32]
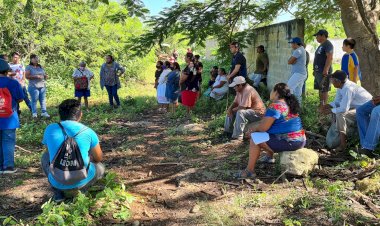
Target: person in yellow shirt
[350,61]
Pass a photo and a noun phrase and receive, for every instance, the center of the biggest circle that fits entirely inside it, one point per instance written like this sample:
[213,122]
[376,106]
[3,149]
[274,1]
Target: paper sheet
[259,137]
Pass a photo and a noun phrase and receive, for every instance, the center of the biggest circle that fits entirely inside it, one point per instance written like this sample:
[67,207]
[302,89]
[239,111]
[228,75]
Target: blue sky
[156,6]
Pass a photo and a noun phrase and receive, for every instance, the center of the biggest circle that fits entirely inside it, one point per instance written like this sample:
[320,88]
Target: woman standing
[161,88]
[82,77]
[284,126]
[37,85]
[109,78]
[190,80]
[172,87]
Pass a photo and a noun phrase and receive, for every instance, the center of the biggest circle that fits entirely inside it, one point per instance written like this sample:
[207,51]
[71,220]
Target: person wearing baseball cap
[238,63]
[322,65]
[246,108]
[261,71]
[10,95]
[298,71]
[349,96]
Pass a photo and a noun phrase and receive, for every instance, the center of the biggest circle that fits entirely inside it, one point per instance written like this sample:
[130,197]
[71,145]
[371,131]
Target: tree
[360,19]
[225,20]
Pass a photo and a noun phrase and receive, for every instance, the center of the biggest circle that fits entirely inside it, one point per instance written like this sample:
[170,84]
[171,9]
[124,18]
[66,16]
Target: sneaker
[45,115]
[59,196]
[35,115]
[367,152]
[267,159]
[9,170]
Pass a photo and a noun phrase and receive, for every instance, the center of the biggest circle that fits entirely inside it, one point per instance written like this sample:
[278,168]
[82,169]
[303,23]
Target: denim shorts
[82,93]
[279,145]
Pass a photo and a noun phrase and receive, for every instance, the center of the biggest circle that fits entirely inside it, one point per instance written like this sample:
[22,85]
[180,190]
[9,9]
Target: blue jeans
[112,93]
[26,99]
[368,118]
[7,148]
[38,94]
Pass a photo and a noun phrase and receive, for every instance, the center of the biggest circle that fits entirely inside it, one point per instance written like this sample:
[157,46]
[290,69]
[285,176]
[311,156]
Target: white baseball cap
[237,81]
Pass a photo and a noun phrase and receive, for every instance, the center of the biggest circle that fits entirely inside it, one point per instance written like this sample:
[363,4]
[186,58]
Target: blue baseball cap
[296,40]
[4,66]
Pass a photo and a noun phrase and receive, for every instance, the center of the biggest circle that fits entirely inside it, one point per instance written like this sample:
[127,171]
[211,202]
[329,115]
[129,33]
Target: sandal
[248,174]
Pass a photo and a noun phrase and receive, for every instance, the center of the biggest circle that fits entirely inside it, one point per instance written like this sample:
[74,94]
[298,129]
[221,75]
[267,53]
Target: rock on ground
[300,162]
[190,128]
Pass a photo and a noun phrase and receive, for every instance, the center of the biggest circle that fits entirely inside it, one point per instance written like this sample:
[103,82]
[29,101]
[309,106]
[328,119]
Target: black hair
[34,56]
[160,62]
[284,92]
[223,70]
[16,53]
[69,109]
[176,66]
[110,56]
[3,56]
[167,64]
[197,57]
[215,67]
[349,42]
[236,44]
[190,56]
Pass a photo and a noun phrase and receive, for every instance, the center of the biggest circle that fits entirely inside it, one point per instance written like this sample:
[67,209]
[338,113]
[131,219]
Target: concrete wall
[275,40]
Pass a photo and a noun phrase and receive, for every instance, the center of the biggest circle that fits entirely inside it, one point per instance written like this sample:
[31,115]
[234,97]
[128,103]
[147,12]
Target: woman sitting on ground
[220,87]
[284,126]
[172,87]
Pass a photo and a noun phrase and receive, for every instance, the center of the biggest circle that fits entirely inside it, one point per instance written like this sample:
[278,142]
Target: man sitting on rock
[71,165]
[246,108]
[349,96]
[368,119]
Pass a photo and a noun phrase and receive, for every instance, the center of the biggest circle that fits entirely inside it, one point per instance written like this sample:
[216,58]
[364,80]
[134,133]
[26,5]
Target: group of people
[72,159]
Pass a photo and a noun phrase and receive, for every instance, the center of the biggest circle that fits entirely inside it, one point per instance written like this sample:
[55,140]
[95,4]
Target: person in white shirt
[82,75]
[161,88]
[349,96]
[220,86]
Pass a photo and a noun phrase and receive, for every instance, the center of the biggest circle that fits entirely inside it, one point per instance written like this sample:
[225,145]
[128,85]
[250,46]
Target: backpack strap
[66,135]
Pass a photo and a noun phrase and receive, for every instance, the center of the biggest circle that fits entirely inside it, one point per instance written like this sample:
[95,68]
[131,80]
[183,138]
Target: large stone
[300,162]
[190,128]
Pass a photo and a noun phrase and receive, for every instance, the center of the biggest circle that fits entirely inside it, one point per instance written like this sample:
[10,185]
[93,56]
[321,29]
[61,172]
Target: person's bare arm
[97,154]
[234,72]
[292,60]
[220,85]
[30,77]
[264,125]
[328,63]
[183,78]
[356,73]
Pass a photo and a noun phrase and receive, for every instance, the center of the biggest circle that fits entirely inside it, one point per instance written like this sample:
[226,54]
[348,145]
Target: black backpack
[67,166]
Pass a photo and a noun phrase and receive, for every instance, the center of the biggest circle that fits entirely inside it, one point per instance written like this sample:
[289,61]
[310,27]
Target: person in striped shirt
[350,61]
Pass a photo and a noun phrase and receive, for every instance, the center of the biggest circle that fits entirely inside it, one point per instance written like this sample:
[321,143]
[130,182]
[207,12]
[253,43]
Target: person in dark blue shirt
[238,64]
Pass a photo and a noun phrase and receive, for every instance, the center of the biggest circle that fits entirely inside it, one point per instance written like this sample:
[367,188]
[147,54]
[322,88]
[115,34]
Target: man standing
[238,64]
[246,108]
[322,65]
[262,63]
[368,118]
[298,73]
[349,96]
[18,73]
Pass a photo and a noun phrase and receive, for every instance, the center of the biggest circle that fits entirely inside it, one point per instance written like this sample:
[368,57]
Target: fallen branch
[168,164]
[23,149]
[304,184]
[227,182]
[367,200]
[314,134]
[362,175]
[282,174]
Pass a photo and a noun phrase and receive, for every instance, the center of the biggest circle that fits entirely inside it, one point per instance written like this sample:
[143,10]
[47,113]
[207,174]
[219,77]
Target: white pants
[295,84]
[256,78]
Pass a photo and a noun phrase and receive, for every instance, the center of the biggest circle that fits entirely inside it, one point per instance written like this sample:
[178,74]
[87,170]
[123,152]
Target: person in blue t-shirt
[88,142]
[8,125]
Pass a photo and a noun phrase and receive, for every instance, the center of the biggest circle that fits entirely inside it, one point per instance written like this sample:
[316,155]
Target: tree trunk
[359,19]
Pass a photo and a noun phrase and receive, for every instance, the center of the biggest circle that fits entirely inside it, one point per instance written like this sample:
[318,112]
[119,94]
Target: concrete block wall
[275,40]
